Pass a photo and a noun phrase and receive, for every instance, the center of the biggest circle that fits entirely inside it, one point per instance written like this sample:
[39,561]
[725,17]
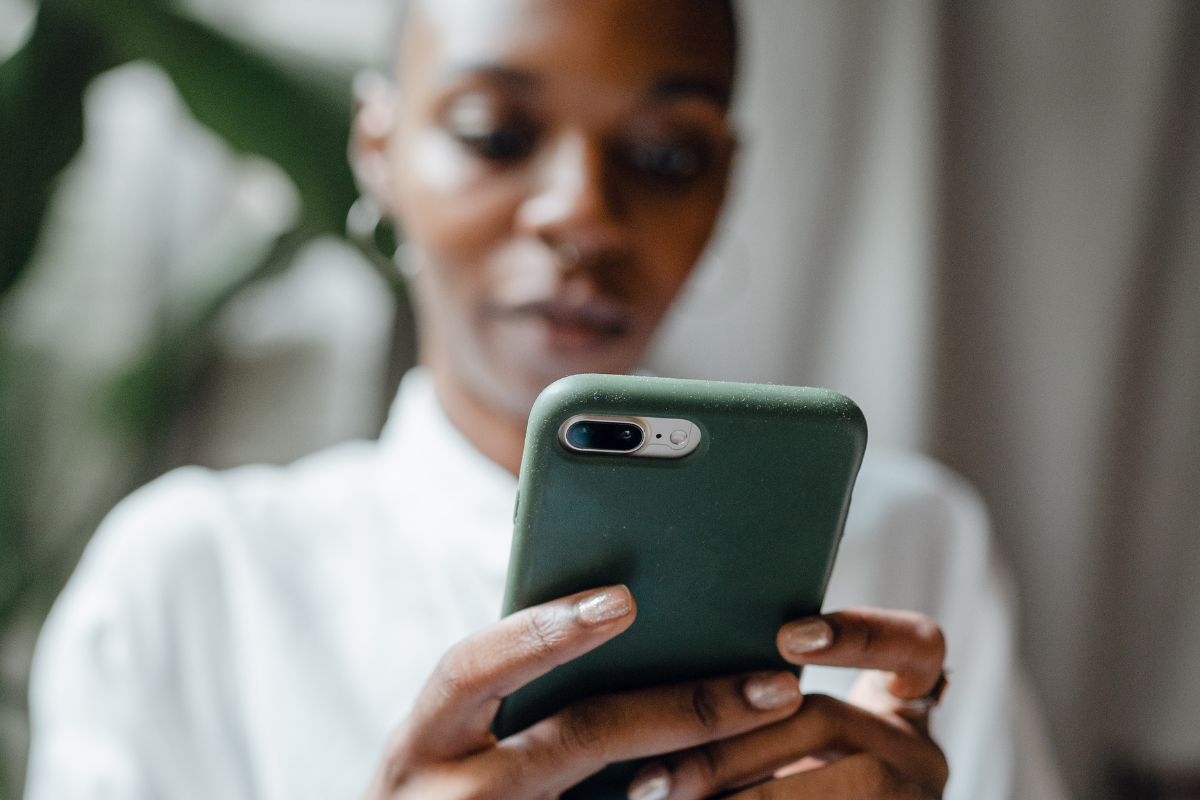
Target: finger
[453,714]
[905,643]
[862,777]
[872,691]
[562,750]
[822,726]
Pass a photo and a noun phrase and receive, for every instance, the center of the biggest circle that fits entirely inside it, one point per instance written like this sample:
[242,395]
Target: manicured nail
[652,783]
[604,606]
[807,636]
[771,691]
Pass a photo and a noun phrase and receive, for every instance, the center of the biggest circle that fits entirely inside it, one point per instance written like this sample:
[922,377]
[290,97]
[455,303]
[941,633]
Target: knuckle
[543,632]
[512,774]
[714,763]
[521,760]
[863,638]
[580,728]
[878,778]
[454,677]
[823,713]
[704,706]
[707,763]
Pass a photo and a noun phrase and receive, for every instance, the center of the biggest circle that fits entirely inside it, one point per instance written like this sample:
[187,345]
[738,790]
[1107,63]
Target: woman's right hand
[445,748]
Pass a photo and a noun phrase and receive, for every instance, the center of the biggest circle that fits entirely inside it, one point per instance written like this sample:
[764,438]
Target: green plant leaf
[253,103]
[41,125]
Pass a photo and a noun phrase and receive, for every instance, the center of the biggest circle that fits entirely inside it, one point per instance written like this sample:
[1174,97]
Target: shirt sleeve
[108,698]
[919,538]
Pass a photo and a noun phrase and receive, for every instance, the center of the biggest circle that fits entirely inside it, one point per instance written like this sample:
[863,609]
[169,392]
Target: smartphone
[720,505]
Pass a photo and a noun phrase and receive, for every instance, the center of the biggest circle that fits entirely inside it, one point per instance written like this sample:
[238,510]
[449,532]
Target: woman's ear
[374,121]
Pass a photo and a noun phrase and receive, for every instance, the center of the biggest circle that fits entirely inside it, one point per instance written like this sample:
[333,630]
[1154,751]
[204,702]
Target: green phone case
[719,548]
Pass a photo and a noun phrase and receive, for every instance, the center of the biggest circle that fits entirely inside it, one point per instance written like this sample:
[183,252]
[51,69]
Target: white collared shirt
[257,633]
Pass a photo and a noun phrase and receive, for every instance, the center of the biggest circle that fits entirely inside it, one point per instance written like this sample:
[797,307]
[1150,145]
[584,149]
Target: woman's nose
[576,198]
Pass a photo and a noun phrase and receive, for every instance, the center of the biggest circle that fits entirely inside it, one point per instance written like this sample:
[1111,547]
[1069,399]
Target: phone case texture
[719,548]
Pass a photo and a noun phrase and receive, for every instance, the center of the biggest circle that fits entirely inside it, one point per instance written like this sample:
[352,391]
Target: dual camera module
[642,437]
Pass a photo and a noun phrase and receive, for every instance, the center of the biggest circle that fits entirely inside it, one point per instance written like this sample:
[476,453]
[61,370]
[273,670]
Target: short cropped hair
[727,8]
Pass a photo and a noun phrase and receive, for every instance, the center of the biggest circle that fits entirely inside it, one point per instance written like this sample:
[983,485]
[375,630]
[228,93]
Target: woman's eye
[506,143]
[490,130]
[673,162]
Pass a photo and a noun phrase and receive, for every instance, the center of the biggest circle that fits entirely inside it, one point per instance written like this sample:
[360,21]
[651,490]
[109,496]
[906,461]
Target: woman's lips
[571,327]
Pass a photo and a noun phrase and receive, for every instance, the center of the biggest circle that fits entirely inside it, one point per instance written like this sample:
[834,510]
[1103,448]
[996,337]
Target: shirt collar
[419,438]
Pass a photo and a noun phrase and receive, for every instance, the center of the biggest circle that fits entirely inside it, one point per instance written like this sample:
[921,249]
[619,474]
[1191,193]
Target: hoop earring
[369,228]
[406,262]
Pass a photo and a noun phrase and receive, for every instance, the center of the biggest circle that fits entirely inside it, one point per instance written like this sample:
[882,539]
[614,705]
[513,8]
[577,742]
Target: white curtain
[982,220]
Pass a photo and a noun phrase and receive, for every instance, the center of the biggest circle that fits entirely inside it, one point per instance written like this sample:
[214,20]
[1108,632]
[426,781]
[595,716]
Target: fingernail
[772,691]
[604,606]
[652,783]
[808,636]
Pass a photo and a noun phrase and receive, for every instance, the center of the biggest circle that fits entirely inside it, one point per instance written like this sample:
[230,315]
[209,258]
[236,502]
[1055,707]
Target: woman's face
[557,167]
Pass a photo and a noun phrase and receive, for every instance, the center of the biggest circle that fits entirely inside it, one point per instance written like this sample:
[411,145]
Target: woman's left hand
[876,746]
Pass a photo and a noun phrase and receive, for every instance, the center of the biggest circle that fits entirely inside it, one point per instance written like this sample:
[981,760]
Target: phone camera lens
[579,436]
[604,436]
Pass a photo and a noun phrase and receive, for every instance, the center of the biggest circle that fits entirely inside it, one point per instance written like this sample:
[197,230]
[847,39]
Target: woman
[557,167]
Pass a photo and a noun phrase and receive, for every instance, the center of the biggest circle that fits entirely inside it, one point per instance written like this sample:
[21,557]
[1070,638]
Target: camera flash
[678,437]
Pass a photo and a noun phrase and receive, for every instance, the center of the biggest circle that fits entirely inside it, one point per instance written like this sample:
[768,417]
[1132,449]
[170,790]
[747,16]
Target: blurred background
[981,220]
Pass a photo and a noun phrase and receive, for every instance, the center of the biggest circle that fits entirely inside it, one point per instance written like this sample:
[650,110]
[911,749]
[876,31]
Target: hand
[445,748]
[877,747]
